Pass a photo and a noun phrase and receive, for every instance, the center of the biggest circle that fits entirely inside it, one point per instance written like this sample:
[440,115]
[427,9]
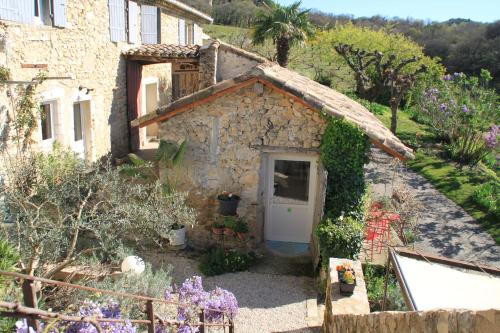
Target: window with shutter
[59,10]
[149,24]
[182,32]
[133,29]
[117,20]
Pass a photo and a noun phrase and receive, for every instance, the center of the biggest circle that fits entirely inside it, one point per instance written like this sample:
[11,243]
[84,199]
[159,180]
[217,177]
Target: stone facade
[84,55]
[438,321]
[229,139]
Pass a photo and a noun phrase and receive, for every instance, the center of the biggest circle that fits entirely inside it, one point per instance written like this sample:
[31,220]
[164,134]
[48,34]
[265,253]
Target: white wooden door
[291,188]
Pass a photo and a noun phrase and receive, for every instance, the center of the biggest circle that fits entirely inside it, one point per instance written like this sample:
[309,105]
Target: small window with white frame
[77,122]
[47,121]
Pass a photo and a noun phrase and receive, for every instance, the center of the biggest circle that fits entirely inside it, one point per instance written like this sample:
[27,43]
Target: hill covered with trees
[461,44]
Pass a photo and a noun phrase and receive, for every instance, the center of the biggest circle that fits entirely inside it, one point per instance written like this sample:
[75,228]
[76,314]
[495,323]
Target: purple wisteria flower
[491,137]
[111,309]
[465,109]
[448,77]
[191,292]
[443,107]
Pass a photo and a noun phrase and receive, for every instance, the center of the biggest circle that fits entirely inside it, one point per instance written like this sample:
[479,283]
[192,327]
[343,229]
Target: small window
[77,122]
[46,121]
[43,11]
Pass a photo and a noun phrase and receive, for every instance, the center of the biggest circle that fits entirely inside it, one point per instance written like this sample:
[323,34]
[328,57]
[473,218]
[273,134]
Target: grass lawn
[456,182]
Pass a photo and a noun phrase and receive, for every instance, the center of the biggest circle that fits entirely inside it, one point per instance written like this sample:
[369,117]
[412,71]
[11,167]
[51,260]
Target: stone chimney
[208,64]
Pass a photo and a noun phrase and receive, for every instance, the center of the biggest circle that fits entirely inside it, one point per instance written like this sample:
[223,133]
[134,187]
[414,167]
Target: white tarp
[438,286]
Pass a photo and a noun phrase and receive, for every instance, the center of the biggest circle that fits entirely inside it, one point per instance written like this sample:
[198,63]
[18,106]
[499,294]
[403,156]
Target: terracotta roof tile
[164,51]
[317,96]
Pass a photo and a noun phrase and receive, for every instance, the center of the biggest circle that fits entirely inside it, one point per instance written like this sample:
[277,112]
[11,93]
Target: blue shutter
[17,10]
[117,20]
[182,32]
[149,24]
[195,34]
[59,13]
[26,11]
[133,11]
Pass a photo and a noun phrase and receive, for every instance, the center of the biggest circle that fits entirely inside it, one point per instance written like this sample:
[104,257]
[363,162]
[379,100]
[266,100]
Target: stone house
[79,43]
[255,130]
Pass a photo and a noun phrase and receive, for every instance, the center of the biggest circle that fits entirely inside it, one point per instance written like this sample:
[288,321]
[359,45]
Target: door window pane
[291,182]
[77,121]
[46,121]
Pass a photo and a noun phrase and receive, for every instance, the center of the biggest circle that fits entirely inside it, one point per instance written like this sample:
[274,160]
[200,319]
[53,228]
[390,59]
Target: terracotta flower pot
[217,231]
[228,232]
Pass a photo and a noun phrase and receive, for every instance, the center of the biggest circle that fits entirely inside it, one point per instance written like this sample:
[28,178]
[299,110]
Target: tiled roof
[164,51]
[315,95]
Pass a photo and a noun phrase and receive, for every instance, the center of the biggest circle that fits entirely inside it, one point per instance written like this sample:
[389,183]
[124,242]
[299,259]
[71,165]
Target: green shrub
[375,280]
[217,261]
[8,261]
[341,238]
[488,197]
[344,152]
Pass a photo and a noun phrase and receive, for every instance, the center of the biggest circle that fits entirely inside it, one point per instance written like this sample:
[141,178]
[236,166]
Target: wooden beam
[168,115]
[146,59]
[447,261]
[388,150]
[44,66]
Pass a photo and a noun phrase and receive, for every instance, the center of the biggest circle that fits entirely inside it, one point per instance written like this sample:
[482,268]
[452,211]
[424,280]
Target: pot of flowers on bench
[347,279]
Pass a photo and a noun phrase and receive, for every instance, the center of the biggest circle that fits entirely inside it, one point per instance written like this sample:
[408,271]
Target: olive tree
[56,209]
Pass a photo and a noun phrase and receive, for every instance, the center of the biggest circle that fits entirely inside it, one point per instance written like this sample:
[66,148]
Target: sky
[435,10]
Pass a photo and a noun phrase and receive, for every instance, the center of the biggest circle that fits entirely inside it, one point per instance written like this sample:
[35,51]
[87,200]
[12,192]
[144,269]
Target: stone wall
[83,52]
[438,321]
[351,314]
[229,138]
[232,62]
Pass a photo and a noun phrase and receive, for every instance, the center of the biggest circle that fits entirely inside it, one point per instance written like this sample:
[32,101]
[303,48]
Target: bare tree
[374,73]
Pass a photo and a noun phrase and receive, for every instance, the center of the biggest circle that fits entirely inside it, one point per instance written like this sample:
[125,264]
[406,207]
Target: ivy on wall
[344,151]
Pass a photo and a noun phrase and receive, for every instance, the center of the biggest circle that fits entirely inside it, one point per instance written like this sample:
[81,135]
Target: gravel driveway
[445,228]
[268,300]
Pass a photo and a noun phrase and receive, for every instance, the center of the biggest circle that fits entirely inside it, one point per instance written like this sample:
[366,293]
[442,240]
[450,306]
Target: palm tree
[285,25]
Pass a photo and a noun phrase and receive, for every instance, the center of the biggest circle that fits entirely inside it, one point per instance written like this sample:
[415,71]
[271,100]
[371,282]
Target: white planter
[177,237]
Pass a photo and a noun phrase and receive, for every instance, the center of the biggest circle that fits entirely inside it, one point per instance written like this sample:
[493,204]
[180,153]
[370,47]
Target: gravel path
[268,300]
[445,228]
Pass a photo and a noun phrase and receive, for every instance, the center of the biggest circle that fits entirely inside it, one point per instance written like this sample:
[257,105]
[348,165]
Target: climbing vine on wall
[25,104]
[344,151]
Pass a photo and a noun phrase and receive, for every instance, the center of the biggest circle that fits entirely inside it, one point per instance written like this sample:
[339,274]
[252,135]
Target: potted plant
[228,203]
[229,225]
[217,228]
[177,235]
[241,229]
[347,278]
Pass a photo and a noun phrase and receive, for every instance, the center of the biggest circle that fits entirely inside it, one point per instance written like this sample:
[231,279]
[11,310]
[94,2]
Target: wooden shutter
[149,24]
[182,32]
[59,13]
[133,29]
[117,20]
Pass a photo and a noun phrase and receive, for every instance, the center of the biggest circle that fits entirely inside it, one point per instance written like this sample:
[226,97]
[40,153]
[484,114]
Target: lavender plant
[464,112]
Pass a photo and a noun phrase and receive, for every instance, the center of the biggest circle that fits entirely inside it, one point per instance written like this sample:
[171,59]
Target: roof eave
[182,9]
